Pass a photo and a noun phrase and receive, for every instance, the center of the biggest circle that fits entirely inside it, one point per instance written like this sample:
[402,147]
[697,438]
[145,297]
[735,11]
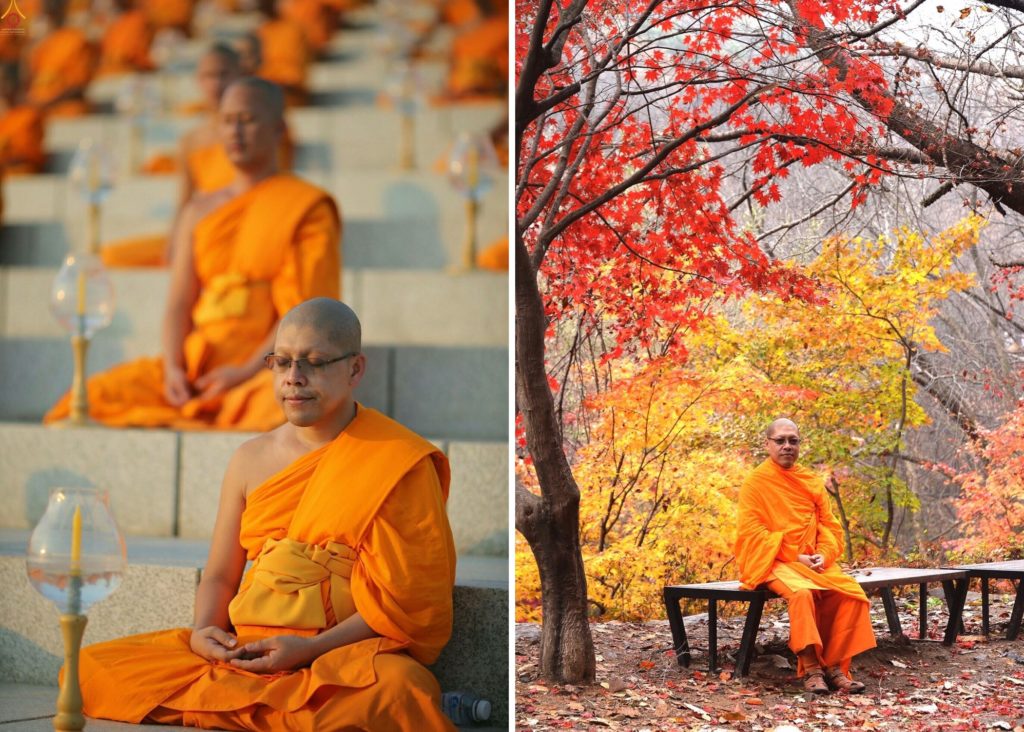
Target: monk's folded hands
[276,653]
[213,643]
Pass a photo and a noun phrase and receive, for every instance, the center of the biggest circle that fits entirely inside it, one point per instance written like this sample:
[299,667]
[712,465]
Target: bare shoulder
[202,204]
[258,459]
[201,136]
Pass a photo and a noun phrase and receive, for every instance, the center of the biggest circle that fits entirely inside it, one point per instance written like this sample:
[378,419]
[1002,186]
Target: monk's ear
[357,369]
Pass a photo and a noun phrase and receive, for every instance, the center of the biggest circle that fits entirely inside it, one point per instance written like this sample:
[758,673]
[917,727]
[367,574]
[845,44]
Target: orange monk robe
[21,141]
[169,14]
[255,257]
[784,513]
[209,169]
[285,57]
[357,525]
[316,20]
[494,256]
[125,46]
[63,60]
[479,59]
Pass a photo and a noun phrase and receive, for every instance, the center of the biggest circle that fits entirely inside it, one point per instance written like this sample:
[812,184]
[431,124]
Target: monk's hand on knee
[213,643]
[219,380]
[176,388]
[277,653]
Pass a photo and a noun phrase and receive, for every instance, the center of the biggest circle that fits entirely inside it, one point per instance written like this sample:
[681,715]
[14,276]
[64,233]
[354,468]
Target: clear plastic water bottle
[465,707]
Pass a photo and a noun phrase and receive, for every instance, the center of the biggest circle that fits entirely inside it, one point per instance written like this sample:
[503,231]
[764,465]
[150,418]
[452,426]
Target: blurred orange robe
[21,141]
[357,525]
[170,14]
[209,168]
[495,256]
[125,46]
[63,60]
[285,57]
[256,257]
[315,18]
[784,513]
[479,61]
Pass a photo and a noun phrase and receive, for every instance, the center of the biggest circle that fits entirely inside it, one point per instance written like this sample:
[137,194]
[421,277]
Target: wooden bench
[1012,570]
[880,579]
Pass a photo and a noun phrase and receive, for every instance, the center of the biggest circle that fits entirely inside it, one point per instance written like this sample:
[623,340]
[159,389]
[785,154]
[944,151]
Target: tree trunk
[549,522]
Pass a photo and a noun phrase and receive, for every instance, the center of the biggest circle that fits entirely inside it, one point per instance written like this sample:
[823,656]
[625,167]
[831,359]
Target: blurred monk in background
[22,129]
[317,19]
[245,254]
[126,42]
[170,14]
[478,65]
[789,540]
[286,54]
[60,66]
[342,512]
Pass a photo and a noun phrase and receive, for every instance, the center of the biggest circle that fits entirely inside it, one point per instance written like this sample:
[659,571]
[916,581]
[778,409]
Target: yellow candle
[76,540]
[81,292]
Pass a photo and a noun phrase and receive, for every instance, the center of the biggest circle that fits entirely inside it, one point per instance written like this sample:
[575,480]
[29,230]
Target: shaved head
[777,424]
[268,94]
[335,320]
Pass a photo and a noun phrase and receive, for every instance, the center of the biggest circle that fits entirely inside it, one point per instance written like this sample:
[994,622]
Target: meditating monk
[22,129]
[286,55]
[126,42]
[342,512]
[202,162]
[60,67]
[788,539]
[246,254]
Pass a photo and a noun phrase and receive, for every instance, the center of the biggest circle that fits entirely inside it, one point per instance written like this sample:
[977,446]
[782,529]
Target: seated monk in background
[60,67]
[788,539]
[342,511]
[21,129]
[479,55]
[126,42]
[317,19]
[286,55]
[245,254]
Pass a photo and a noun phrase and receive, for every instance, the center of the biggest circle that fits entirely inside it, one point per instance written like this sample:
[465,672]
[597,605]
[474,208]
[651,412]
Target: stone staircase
[436,342]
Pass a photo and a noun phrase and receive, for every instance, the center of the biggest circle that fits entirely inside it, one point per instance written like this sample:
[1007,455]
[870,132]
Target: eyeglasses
[785,440]
[306,366]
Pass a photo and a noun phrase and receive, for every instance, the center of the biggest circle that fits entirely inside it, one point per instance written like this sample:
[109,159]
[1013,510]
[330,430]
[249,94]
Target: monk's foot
[838,681]
[814,682]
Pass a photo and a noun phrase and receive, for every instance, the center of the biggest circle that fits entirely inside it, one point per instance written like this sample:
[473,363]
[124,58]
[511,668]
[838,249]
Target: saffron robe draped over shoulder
[62,61]
[255,257]
[785,513]
[357,525]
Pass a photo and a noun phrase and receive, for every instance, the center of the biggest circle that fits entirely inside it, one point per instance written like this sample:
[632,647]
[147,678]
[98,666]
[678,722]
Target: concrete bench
[1012,570]
[880,579]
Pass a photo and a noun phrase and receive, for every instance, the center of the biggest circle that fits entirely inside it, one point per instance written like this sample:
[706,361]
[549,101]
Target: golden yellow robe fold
[125,46]
[62,61]
[256,257]
[357,525]
[785,513]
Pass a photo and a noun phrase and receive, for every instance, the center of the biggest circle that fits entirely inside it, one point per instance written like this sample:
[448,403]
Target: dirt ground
[977,684]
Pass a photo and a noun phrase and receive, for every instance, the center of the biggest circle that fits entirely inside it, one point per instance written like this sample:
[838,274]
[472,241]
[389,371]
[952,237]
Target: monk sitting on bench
[788,540]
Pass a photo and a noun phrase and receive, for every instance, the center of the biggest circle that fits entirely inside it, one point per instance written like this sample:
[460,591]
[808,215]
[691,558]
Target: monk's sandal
[814,682]
[838,681]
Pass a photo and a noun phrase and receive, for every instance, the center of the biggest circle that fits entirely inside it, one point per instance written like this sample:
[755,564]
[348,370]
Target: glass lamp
[82,301]
[405,92]
[139,101]
[472,167]
[91,175]
[75,558]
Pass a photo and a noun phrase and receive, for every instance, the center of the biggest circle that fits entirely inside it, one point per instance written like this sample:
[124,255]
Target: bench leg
[890,611]
[680,644]
[984,606]
[749,637]
[1017,614]
[956,596]
[712,635]
[922,611]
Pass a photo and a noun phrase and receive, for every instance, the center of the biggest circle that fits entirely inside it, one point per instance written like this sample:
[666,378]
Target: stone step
[165,484]
[390,220]
[158,591]
[408,307]
[457,392]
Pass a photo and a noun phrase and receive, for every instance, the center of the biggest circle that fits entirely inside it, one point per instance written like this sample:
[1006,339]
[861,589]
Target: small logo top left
[12,20]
